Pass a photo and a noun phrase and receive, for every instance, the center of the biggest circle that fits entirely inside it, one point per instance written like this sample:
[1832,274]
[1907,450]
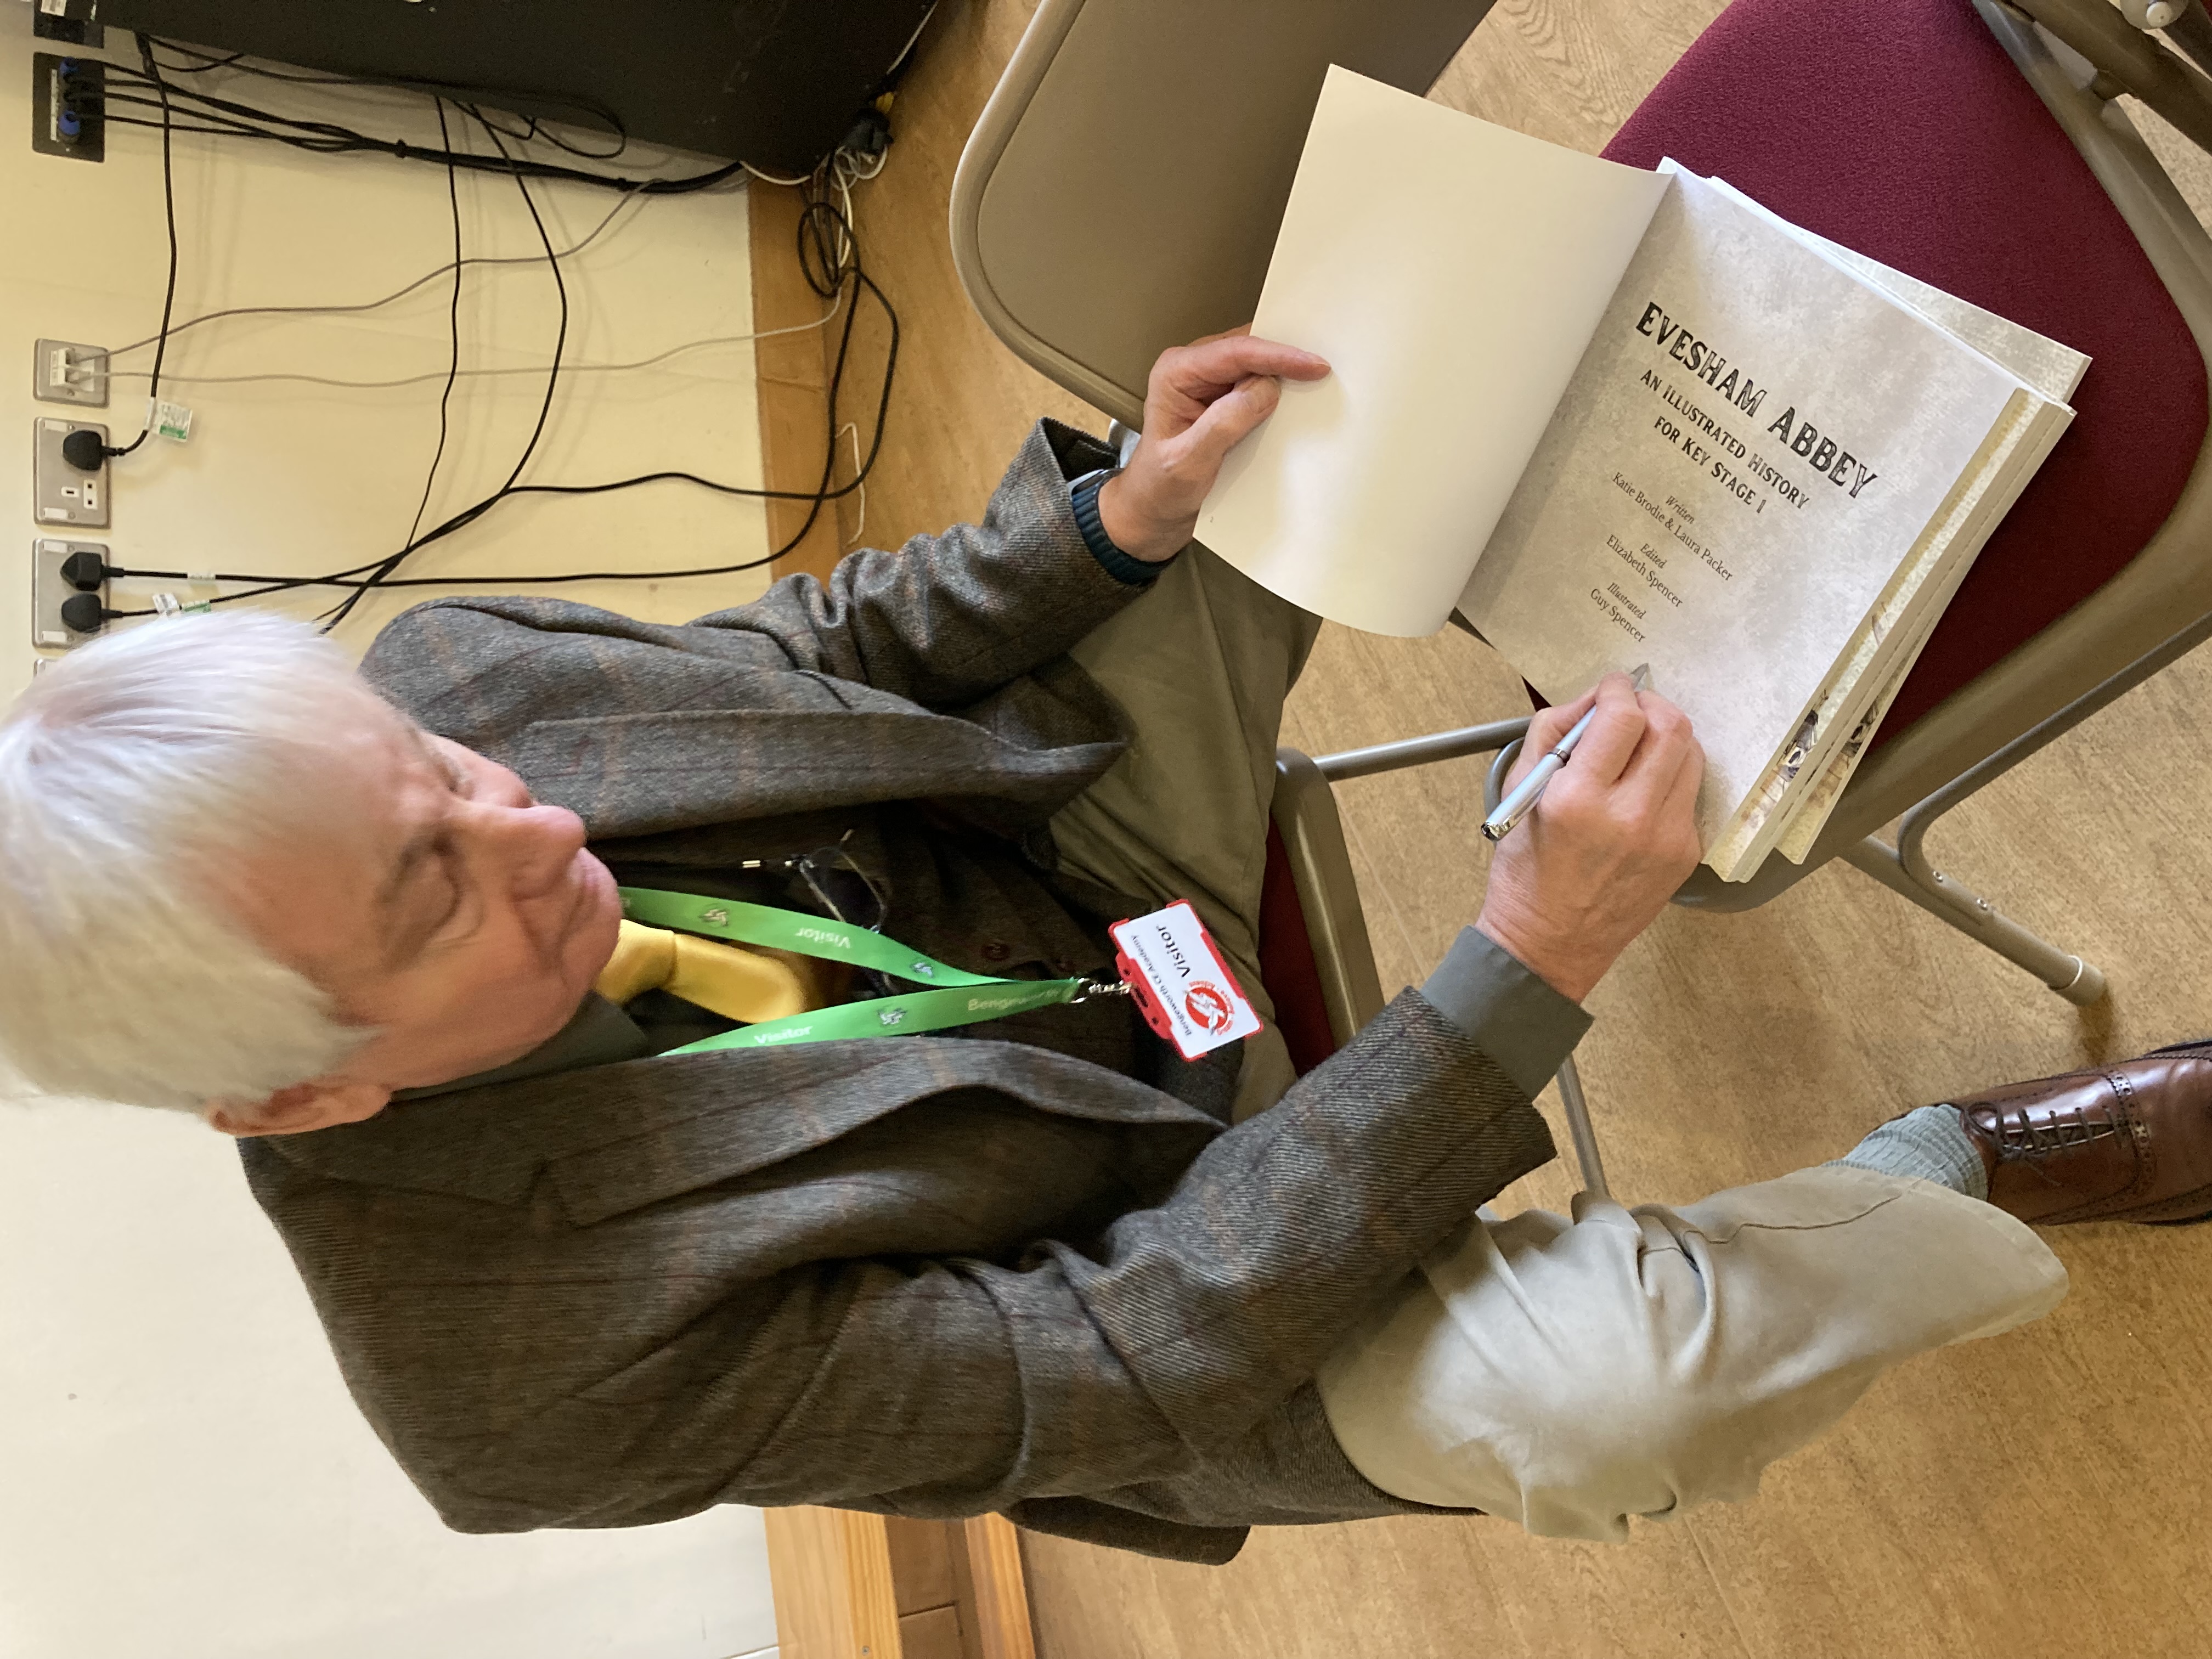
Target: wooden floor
[2049,1493]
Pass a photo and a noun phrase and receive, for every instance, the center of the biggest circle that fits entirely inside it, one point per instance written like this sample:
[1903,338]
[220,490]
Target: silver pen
[1525,794]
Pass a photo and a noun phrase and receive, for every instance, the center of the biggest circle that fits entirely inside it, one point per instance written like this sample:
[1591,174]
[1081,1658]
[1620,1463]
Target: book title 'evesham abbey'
[1698,357]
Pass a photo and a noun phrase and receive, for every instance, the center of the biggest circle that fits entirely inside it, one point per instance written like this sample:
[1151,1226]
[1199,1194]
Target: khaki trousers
[1567,1374]
[1201,664]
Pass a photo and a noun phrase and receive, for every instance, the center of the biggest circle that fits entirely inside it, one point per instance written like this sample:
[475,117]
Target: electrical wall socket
[48,590]
[60,494]
[69,106]
[63,373]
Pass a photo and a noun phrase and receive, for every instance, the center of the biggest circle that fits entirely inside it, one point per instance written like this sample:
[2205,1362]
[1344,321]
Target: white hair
[130,772]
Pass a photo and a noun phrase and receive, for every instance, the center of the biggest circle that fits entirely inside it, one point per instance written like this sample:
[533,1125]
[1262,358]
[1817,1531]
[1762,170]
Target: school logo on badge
[1208,1007]
[1179,982]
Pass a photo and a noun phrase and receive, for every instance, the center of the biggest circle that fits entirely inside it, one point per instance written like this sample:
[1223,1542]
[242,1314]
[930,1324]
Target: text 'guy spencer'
[1700,358]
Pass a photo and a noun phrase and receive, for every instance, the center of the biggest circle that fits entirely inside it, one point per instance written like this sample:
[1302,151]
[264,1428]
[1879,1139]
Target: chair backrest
[1121,192]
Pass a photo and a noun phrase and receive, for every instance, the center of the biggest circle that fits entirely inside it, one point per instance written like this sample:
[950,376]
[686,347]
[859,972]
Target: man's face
[436,901]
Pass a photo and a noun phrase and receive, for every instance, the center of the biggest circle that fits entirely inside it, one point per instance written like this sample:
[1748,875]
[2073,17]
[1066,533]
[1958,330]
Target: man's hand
[1202,401]
[1612,837]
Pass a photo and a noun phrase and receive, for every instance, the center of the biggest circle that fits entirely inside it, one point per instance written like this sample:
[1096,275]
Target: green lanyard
[962,998]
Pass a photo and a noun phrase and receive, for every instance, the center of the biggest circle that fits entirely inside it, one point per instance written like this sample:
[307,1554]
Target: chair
[1316,958]
[1089,238]
[2096,580]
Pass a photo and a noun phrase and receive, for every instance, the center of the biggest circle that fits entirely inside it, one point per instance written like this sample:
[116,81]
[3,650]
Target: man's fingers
[1228,421]
[1213,366]
[1550,725]
[1649,772]
[1546,728]
[1603,753]
[1680,805]
[1659,789]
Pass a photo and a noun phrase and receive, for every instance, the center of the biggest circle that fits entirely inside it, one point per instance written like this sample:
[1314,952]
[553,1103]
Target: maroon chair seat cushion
[1899,128]
[1286,963]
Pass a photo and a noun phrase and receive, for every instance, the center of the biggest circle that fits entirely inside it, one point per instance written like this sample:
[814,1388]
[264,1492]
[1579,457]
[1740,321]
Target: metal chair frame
[1328,897]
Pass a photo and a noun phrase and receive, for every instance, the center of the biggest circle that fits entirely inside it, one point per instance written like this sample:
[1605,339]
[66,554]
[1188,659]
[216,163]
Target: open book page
[1810,816]
[2050,369]
[1752,446]
[1793,804]
[1806,814]
[1895,629]
[1451,271]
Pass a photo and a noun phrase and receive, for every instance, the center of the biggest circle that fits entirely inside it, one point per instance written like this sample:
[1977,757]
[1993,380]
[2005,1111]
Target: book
[1612,417]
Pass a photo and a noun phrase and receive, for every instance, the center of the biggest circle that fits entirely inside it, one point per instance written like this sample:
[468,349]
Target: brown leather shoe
[2130,1142]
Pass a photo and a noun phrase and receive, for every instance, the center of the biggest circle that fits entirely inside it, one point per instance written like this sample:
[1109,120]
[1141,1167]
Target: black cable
[169,296]
[209,61]
[561,337]
[461,92]
[829,255]
[231,119]
[535,132]
[816,498]
[386,570]
[453,361]
[427,278]
[271,584]
[461,520]
[546,170]
[236,60]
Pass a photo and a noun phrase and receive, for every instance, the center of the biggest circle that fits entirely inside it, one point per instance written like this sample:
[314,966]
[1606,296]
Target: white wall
[292,479]
[184,1476]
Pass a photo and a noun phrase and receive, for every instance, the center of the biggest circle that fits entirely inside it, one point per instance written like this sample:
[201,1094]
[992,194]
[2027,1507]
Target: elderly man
[589,1257]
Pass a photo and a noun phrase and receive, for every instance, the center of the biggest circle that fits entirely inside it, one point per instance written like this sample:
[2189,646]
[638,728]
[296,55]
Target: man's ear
[321,1104]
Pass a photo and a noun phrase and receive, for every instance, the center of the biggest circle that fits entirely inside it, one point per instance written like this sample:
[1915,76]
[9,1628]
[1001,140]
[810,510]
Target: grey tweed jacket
[922,1276]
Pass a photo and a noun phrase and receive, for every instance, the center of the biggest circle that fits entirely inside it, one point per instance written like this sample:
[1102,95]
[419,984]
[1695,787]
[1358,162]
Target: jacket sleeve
[1157,1351]
[947,618]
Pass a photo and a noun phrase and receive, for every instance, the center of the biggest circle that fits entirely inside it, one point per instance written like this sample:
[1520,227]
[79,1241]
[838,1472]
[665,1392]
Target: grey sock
[1931,1144]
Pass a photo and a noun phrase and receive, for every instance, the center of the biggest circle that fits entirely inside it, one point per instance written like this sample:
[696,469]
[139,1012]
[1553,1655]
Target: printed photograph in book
[1616,417]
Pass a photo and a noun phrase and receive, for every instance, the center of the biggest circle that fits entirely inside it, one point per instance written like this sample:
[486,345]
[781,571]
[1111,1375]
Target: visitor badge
[1179,981]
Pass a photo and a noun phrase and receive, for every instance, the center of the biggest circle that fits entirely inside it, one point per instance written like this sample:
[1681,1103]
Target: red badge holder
[1179,981]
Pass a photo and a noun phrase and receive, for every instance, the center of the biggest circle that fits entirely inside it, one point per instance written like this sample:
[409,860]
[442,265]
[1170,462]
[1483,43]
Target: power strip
[69,106]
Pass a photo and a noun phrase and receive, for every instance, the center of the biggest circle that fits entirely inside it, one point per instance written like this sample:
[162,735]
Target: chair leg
[1949,901]
[1578,1127]
[1940,895]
